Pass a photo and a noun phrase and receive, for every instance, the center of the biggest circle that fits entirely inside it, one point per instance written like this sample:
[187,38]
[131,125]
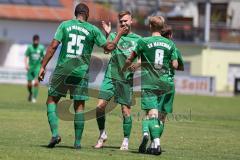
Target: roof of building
[57,13]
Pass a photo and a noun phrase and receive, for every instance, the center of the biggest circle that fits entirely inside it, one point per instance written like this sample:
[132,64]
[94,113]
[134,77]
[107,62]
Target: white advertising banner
[13,76]
[195,85]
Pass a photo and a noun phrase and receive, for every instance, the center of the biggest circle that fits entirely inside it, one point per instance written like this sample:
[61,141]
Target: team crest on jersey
[127,45]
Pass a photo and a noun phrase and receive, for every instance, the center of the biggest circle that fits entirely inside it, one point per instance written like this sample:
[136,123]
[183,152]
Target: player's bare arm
[50,52]
[180,68]
[135,66]
[129,61]
[175,64]
[26,63]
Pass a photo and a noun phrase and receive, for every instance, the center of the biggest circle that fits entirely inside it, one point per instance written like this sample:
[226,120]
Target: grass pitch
[200,128]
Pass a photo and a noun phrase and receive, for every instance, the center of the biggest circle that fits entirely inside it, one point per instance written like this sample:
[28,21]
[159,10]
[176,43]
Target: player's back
[77,38]
[156,55]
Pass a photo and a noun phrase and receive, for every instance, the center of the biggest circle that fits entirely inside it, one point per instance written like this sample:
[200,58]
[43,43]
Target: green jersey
[156,55]
[125,46]
[77,38]
[35,55]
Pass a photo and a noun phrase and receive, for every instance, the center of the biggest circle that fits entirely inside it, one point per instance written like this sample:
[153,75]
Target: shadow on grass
[112,147]
[136,152]
[58,146]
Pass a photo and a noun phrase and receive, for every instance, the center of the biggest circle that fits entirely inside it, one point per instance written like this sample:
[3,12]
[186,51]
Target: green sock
[35,92]
[145,128]
[127,126]
[78,126]
[155,127]
[52,119]
[100,115]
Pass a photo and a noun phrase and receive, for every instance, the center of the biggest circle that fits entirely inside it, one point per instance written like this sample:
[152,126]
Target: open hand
[107,27]
[41,74]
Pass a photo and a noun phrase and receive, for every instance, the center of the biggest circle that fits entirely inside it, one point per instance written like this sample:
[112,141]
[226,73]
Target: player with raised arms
[77,37]
[116,83]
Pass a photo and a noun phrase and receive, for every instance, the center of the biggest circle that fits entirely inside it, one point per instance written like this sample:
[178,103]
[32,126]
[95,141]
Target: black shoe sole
[143,145]
[157,151]
[52,144]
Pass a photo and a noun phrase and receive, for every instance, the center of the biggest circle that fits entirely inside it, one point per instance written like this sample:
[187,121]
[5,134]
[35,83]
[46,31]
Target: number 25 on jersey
[76,41]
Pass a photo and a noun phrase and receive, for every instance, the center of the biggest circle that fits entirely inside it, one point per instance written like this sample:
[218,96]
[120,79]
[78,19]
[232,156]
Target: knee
[29,84]
[51,100]
[101,105]
[36,84]
[153,113]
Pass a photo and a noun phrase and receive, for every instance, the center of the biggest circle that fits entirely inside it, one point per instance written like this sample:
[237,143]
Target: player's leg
[127,126]
[30,78]
[148,102]
[56,90]
[156,129]
[78,122]
[79,93]
[29,88]
[145,133]
[105,95]
[100,116]
[53,120]
[35,84]
[35,90]
[123,95]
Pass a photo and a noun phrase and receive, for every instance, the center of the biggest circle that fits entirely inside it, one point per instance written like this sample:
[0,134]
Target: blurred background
[207,32]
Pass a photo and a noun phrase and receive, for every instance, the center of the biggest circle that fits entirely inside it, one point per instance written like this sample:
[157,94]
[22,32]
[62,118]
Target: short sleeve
[27,53]
[59,33]
[174,54]
[99,38]
[180,59]
[138,49]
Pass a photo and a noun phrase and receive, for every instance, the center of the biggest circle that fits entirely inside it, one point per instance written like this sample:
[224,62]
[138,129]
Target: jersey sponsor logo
[35,56]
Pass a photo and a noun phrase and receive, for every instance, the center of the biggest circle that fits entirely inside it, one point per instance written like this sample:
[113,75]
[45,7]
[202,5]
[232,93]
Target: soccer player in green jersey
[71,73]
[166,100]
[158,55]
[166,105]
[33,57]
[116,83]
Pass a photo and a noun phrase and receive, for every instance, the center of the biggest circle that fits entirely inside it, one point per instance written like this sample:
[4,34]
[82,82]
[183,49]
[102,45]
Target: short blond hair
[124,13]
[156,23]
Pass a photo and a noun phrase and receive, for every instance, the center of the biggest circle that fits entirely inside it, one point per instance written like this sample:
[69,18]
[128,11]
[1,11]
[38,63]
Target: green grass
[201,128]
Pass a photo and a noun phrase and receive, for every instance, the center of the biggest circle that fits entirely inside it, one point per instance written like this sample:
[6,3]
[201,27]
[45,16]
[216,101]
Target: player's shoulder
[41,46]
[91,26]
[168,41]
[136,35]
[144,39]
[29,46]
[67,23]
